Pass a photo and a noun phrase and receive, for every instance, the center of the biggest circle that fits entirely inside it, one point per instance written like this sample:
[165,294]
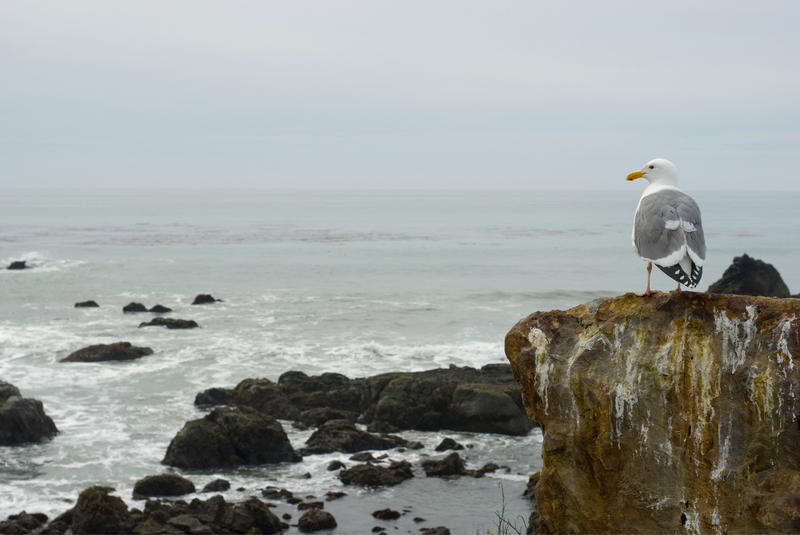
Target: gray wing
[665,223]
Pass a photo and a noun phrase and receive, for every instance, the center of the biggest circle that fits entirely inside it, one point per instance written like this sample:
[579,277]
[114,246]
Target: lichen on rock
[672,413]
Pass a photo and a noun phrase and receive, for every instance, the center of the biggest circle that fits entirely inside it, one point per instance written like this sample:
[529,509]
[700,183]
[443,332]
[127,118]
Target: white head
[658,171]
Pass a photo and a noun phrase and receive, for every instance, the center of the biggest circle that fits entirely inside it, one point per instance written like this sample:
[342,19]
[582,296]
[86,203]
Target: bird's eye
[652,166]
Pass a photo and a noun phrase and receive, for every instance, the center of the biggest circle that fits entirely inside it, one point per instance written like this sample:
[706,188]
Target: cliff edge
[674,413]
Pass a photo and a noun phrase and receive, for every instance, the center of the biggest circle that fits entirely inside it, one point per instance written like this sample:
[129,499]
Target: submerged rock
[229,437]
[749,276]
[22,420]
[87,304]
[159,309]
[685,403]
[170,323]
[17,264]
[162,485]
[105,352]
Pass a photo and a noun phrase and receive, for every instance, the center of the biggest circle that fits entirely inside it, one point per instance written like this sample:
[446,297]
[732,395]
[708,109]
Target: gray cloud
[389,94]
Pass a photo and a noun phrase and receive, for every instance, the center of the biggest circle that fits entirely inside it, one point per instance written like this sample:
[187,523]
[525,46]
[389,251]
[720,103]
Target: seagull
[667,230]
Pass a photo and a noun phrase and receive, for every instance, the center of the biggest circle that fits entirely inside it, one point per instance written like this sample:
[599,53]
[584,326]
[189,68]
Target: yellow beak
[635,175]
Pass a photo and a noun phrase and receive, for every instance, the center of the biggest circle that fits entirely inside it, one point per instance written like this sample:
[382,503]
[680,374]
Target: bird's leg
[679,288]
[648,291]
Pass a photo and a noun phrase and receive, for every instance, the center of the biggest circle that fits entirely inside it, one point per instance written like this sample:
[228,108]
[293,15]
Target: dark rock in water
[449,444]
[329,390]
[134,307]
[87,304]
[218,485]
[162,485]
[487,468]
[334,495]
[318,416]
[263,520]
[104,352]
[316,520]
[530,487]
[170,323]
[23,523]
[485,400]
[452,465]
[229,437]
[335,465]
[7,390]
[266,397]
[22,420]
[98,512]
[386,514]
[363,457]
[214,396]
[159,309]
[749,276]
[274,493]
[459,398]
[17,264]
[342,435]
[305,506]
[369,475]
[439,530]
[203,299]
[59,524]
[210,516]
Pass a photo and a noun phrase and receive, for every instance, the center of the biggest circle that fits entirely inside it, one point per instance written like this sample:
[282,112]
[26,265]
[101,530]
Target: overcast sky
[403,94]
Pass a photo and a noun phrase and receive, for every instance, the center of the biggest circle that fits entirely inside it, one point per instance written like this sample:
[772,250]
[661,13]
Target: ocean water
[352,282]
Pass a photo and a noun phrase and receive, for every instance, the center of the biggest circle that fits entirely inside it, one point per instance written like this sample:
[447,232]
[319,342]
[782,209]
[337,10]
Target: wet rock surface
[22,420]
[316,520]
[162,485]
[685,402]
[17,264]
[370,475]
[87,304]
[342,435]
[159,309]
[451,465]
[750,276]
[464,399]
[386,514]
[23,523]
[449,444]
[218,485]
[229,437]
[108,352]
[99,511]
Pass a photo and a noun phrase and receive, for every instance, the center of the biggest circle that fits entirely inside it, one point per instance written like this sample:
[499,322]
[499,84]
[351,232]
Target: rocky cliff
[675,413]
